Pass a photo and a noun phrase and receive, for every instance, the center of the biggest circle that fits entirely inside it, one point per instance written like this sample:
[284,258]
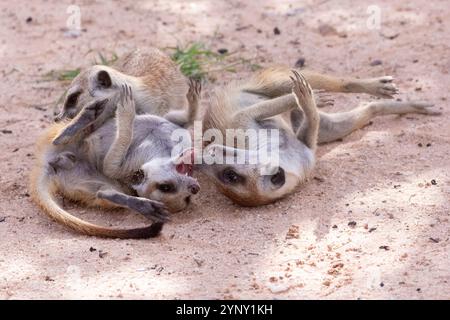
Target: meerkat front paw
[382,87]
[87,116]
[126,108]
[302,91]
[195,89]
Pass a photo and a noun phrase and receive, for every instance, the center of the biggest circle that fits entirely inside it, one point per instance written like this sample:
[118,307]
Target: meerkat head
[96,82]
[261,183]
[62,161]
[168,180]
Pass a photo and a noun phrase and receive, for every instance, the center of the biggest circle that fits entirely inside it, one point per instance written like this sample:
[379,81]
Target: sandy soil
[369,225]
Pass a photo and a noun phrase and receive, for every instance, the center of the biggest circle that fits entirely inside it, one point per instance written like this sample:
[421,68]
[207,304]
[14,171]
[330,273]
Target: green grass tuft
[199,62]
[70,74]
[193,59]
[106,61]
[62,75]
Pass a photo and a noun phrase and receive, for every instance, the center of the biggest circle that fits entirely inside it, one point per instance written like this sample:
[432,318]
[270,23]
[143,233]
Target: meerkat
[140,153]
[125,163]
[158,85]
[272,99]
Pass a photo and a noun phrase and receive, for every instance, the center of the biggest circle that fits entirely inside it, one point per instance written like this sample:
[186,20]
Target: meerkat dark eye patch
[104,79]
[229,176]
[71,100]
[137,177]
[278,178]
[166,187]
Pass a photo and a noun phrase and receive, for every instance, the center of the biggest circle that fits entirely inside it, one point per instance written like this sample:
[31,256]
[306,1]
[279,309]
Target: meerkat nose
[194,188]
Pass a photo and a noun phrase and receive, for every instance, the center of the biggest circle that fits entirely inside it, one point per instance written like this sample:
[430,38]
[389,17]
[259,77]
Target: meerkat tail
[43,194]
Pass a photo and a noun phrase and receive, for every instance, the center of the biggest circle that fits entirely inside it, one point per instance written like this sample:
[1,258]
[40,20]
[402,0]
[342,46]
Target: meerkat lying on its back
[126,162]
[158,85]
[273,100]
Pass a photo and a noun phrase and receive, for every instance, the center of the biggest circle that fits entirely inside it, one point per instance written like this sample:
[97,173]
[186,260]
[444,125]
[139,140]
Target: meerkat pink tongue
[183,168]
[185,162]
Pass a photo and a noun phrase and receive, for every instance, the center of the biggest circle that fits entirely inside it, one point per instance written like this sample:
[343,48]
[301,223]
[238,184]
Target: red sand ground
[301,247]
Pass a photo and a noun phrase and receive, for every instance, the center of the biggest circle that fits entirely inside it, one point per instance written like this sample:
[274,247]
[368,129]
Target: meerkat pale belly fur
[77,171]
[72,165]
[277,98]
[45,184]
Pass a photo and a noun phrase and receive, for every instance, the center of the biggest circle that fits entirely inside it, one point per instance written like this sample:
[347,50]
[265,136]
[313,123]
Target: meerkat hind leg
[275,82]
[150,209]
[334,126]
[184,118]
[79,182]
[382,87]
[263,110]
[98,192]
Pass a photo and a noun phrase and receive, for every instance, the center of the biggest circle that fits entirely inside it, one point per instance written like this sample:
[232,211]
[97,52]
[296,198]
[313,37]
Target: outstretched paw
[425,108]
[323,98]
[382,87]
[153,210]
[195,89]
[87,116]
[302,91]
[126,108]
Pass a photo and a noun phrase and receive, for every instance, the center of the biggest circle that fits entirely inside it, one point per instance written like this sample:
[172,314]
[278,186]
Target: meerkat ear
[104,79]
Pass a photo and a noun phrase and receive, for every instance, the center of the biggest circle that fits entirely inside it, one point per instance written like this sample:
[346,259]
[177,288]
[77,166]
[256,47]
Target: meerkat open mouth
[184,168]
[186,162]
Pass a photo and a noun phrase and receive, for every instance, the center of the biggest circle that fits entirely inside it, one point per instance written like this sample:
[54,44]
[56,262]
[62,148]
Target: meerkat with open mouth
[126,162]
